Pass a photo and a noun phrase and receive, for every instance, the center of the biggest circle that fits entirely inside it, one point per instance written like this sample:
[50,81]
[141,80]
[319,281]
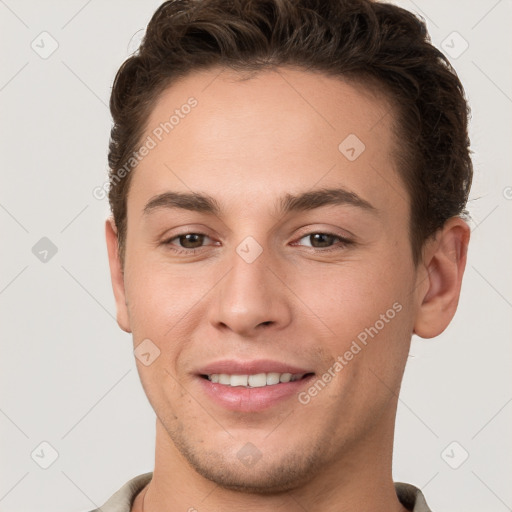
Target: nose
[252,296]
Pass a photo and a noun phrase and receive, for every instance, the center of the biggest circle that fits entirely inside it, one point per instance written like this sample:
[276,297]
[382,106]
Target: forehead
[279,130]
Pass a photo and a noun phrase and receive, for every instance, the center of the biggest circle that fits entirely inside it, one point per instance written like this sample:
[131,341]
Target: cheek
[365,311]
[160,294]
[348,297]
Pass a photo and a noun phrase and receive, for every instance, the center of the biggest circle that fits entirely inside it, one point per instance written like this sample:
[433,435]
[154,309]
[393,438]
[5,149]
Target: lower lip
[243,399]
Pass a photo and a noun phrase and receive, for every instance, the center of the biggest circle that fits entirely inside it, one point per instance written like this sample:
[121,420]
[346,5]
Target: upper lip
[233,367]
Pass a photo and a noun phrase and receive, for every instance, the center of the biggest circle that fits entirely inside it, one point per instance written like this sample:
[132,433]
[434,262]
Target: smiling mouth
[257,380]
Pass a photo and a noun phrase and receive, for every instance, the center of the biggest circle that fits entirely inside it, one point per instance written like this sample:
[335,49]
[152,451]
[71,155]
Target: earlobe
[116,275]
[444,264]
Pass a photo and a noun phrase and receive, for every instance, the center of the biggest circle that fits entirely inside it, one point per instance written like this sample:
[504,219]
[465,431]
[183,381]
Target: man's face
[262,289]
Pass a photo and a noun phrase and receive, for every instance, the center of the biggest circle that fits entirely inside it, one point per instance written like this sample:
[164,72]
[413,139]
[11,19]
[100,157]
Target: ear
[117,275]
[439,282]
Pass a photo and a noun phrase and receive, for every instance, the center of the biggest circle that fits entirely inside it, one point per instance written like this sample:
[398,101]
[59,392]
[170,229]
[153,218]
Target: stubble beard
[270,474]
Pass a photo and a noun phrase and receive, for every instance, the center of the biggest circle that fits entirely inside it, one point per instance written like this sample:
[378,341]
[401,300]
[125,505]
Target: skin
[246,144]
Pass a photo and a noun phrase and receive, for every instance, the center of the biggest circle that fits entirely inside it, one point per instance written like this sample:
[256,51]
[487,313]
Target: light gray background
[68,375]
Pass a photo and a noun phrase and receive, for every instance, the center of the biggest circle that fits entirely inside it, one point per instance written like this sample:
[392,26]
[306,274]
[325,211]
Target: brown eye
[191,240]
[186,241]
[325,242]
[321,239]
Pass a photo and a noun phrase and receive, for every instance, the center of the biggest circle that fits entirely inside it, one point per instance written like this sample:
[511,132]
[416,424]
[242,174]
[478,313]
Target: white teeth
[224,379]
[238,380]
[257,380]
[272,378]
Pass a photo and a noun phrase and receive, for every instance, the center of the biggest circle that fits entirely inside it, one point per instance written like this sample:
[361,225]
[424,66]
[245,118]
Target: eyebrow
[288,203]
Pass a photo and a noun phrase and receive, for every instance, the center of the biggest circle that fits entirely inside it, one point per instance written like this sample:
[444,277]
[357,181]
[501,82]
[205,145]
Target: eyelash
[344,242]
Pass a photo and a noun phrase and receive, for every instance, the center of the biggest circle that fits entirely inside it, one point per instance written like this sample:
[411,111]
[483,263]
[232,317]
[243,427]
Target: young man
[288,184]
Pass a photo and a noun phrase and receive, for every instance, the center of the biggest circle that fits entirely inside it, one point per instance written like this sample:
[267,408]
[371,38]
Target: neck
[358,480]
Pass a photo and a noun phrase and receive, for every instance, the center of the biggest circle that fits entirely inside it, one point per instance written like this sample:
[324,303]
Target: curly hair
[369,42]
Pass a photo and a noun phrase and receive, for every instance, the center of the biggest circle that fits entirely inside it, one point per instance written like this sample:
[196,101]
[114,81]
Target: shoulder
[122,499]
[411,497]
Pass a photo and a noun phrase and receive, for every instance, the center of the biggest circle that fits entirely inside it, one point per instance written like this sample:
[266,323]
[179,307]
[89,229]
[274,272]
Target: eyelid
[344,234]
[167,240]
[339,246]
[342,244]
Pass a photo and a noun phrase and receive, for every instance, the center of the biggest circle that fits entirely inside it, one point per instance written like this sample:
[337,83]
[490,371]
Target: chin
[270,474]
[269,479]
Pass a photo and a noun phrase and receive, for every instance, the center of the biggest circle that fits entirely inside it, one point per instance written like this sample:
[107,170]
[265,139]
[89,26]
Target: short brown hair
[363,40]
